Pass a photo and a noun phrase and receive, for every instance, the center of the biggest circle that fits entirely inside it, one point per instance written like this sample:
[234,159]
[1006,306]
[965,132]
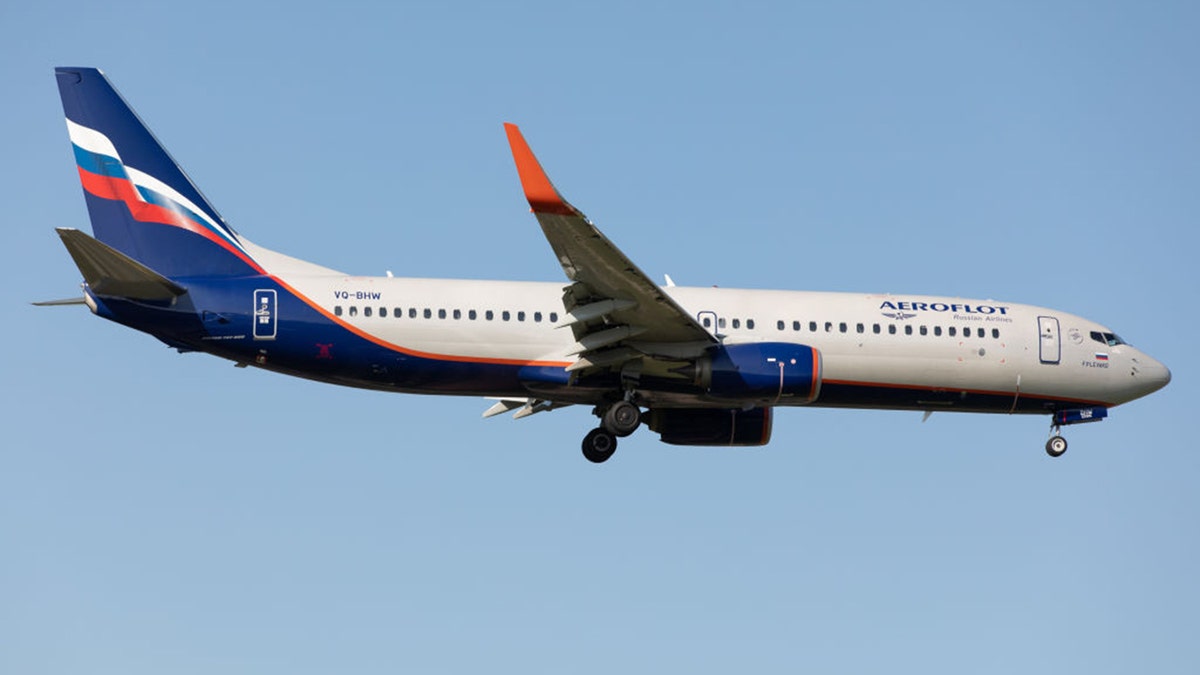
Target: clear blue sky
[165,513]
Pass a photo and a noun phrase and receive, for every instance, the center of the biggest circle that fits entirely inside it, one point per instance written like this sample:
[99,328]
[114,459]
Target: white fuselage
[872,341]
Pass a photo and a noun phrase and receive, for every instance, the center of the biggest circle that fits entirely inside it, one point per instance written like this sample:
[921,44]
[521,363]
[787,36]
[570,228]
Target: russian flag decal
[1100,356]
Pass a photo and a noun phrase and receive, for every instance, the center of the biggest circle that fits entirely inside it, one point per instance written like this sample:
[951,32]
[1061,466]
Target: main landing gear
[617,420]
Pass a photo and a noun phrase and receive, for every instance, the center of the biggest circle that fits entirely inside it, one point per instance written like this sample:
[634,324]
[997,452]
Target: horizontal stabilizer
[109,272]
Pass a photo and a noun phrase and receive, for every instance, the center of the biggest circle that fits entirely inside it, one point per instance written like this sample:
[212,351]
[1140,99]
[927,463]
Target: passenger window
[337,310]
[842,327]
[707,322]
[441,313]
[980,332]
[891,329]
[383,311]
[875,329]
[412,312]
[505,315]
[537,317]
[520,316]
[996,333]
[472,314]
[750,324]
[924,330]
[908,329]
[950,331]
[937,330]
[457,314]
[428,313]
[737,323]
[489,315]
[779,324]
[553,317]
[721,322]
[860,328]
[796,325]
[366,311]
[812,326]
[353,310]
[828,326]
[397,312]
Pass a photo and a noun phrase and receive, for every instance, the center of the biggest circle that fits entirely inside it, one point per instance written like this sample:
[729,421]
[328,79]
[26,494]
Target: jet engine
[761,372]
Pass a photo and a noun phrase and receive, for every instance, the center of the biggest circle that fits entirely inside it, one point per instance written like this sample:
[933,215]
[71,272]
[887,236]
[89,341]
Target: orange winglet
[540,192]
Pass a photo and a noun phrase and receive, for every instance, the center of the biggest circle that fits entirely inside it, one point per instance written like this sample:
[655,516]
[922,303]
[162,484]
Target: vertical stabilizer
[140,201]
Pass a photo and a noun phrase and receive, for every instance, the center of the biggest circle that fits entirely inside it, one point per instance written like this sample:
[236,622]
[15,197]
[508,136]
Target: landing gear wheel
[1056,446]
[622,418]
[599,445]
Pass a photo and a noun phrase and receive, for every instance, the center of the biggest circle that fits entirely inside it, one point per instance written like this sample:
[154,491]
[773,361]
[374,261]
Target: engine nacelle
[762,372]
[703,426]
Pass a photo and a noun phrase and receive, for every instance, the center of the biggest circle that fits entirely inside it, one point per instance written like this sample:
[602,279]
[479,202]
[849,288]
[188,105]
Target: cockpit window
[1110,339]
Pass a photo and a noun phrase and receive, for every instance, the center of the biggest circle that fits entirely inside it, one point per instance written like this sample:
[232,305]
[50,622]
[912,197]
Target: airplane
[698,366]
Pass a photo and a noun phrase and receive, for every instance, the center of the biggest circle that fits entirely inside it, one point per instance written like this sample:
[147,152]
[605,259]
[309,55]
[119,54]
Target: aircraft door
[711,322]
[1049,343]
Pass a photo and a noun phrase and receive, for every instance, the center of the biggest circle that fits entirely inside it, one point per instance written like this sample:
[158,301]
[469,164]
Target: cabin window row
[455,314]
[892,329]
[707,322]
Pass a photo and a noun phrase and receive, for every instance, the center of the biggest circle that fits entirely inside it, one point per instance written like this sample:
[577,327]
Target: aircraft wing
[616,311]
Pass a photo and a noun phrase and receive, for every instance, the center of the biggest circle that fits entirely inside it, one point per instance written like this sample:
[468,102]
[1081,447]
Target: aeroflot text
[943,307]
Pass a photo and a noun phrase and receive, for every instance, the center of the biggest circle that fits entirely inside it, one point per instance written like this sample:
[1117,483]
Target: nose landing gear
[1056,446]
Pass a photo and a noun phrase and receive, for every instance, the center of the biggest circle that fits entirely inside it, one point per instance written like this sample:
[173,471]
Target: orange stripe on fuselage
[120,189]
[403,350]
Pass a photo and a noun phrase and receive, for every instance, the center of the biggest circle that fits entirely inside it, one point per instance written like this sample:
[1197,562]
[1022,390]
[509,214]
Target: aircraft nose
[1153,375]
[1162,376]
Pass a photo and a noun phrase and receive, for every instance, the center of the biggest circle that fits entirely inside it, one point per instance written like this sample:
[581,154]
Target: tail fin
[140,201]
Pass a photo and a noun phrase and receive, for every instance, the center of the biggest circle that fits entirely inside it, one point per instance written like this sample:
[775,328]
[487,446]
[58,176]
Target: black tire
[1056,446]
[622,418]
[598,446]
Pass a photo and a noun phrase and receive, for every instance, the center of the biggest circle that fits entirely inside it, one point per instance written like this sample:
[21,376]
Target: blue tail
[140,201]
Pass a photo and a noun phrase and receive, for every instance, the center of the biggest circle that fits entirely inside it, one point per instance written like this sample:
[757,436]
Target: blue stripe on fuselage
[215,316]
